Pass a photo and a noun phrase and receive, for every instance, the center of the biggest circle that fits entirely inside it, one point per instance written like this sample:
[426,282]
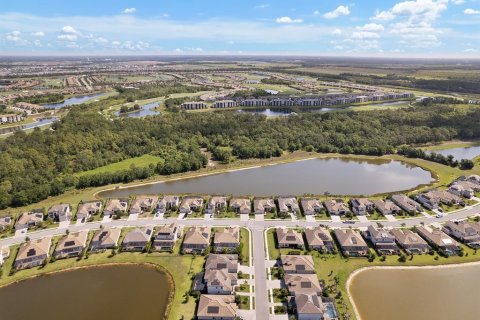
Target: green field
[143,161]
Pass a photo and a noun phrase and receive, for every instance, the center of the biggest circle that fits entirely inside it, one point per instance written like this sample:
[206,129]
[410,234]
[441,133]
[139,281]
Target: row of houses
[10,118]
[385,241]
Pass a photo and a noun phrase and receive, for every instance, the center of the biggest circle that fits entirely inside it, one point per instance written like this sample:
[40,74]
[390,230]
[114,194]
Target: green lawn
[143,161]
[245,241]
[181,268]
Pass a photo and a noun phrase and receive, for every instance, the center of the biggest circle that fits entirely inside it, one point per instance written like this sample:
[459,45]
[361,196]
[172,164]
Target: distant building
[195,105]
[5,223]
[386,207]
[225,104]
[168,203]
[10,118]
[216,204]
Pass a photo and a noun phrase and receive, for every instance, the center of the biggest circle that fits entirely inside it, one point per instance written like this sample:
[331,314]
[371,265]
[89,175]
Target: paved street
[261,294]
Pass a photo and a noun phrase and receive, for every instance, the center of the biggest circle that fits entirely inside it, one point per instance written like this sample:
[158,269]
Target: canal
[73,100]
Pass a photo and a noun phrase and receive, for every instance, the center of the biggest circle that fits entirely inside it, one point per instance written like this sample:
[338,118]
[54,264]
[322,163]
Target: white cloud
[340,11]
[359,35]
[37,43]
[67,37]
[337,32]
[38,34]
[457,2]
[262,6]
[383,16]
[288,20]
[316,12]
[130,10]
[372,27]
[470,50]
[69,30]
[471,11]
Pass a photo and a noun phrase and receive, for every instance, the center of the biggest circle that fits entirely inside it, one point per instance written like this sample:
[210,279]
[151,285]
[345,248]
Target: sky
[416,28]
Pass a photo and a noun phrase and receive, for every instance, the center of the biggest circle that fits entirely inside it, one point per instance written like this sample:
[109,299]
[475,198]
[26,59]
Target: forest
[45,162]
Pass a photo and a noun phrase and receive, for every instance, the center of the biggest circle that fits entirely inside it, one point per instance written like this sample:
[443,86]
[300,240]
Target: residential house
[302,264]
[222,261]
[409,241]
[227,240]
[115,207]
[362,206]
[382,239]
[190,204]
[87,209]
[4,254]
[434,198]
[336,207]
[386,207]
[406,203]
[464,188]
[137,239]
[311,206]
[60,212]
[319,239]
[143,204]
[29,220]
[289,238]
[310,307]
[166,237]
[221,273]
[197,240]
[5,223]
[168,203]
[475,178]
[32,253]
[106,238]
[72,245]
[466,232]
[216,204]
[241,205]
[439,240]
[351,243]
[288,204]
[217,307]
[262,206]
[302,284]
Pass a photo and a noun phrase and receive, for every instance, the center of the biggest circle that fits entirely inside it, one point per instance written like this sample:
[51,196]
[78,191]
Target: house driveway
[274,284]
[244,217]
[336,218]
[362,218]
[259,217]
[245,269]
[158,216]
[132,217]
[246,314]
[64,224]
[278,317]
[390,218]
[310,218]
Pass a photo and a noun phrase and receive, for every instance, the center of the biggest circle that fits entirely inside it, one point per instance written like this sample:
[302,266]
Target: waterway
[73,100]
[346,176]
[461,153]
[146,110]
[426,294]
[113,292]
[40,123]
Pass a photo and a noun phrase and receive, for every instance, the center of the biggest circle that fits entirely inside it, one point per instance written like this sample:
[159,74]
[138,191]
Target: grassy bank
[141,162]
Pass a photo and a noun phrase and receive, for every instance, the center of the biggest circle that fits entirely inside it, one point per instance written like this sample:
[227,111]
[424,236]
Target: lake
[112,292]
[146,110]
[73,100]
[39,123]
[426,294]
[461,153]
[346,176]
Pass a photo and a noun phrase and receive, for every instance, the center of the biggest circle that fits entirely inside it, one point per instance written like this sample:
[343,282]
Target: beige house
[115,207]
[351,243]
[465,231]
[143,204]
[106,238]
[166,237]
[411,242]
[72,245]
[382,239]
[302,264]
[406,203]
[302,284]
[311,206]
[289,238]
[386,207]
[197,240]
[87,209]
[439,240]
[319,239]
[137,239]
[434,198]
[217,307]
[336,207]
[32,253]
[60,212]
[5,223]
[310,307]
[216,204]
[288,204]
[241,205]
[264,205]
[4,254]
[362,206]
[29,220]
[190,204]
[227,240]
[168,203]
[221,273]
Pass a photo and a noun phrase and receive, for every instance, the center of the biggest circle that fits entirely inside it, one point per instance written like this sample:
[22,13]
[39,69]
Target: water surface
[426,294]
[39,123]
[461,153]
[73,100]
[115,292]
[314,176]
[146,110]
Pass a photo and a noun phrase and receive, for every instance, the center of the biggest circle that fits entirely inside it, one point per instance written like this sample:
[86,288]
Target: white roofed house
[216,204]
[227,240]
[311,206]
[87,209]
[117,207]
[287,204]
[165,237]
[241,205]
[263,205]
[382,239]
[362,206]
[143,204]
[168,203]
[137,239]
[190,204]
[60,212]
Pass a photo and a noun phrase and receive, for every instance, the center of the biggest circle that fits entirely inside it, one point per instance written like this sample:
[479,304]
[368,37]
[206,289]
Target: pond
[346,176]
[282,112]
[39,123]
[426,293]
[112,292]
[146,110]
[73,100]
[461,153]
